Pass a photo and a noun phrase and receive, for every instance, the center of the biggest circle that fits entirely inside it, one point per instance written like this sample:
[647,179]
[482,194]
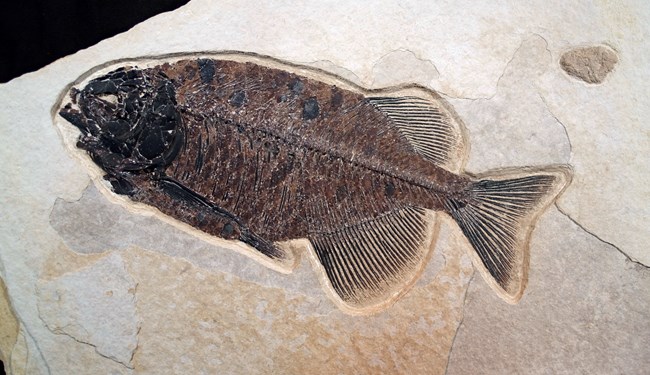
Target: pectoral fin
[220,222]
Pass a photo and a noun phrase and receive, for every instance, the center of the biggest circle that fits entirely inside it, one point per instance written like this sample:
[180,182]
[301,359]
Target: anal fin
[369,265]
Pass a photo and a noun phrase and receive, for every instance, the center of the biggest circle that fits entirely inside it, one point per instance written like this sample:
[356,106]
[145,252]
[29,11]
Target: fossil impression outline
[262,152]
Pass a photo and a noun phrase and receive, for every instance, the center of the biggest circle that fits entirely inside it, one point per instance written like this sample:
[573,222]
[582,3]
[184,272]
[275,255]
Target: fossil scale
[250,149]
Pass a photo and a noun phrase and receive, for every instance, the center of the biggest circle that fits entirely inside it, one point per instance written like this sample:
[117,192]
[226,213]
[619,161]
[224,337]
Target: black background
[36,32]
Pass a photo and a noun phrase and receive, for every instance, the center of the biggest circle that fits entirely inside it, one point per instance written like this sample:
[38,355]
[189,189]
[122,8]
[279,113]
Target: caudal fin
[498,218]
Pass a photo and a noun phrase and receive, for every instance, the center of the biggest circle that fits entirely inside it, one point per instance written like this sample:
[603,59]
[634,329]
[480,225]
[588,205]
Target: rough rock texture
[590,64]
[184,304]
[96,306]
[231,325]
[9,327]
[586,312]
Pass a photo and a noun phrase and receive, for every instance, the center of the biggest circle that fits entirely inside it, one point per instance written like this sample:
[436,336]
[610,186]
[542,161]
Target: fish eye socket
[152,145]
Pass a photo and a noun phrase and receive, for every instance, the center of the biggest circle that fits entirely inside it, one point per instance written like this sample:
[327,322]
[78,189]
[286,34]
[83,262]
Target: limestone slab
[498,64]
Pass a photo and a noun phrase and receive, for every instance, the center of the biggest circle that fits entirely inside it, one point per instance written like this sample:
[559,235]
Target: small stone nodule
[589,64]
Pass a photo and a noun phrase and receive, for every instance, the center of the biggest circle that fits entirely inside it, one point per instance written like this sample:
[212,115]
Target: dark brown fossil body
[261,155]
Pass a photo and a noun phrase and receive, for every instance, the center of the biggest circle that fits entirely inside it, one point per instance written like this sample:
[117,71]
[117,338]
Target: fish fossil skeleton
[249,149]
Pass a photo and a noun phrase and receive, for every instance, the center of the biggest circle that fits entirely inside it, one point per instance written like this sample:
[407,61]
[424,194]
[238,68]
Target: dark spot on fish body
[310,109]
[389,189]
[228,230]
[341,192]
[206,70]
[296,86]
[238,98]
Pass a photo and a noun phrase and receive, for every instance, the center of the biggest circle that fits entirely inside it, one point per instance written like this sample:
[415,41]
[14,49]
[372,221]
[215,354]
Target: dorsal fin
[367,266]
[432,131]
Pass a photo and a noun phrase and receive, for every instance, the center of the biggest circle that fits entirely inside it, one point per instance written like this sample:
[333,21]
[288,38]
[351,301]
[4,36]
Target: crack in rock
[566,131]
[403,66]
[94,306]
[460,324]
[629,258]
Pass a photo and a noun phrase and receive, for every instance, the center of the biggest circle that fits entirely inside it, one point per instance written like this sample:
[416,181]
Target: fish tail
[497,215]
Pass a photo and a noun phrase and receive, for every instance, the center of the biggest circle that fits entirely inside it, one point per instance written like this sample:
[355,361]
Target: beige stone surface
[96,306]
[214,322]
[9,327]
[199,307]
[587,311]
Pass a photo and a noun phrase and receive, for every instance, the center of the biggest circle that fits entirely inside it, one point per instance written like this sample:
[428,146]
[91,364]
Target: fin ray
[369,264]
[428,126]
[498,218]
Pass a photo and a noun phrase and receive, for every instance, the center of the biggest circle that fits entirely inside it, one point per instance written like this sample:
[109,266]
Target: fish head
[128,119]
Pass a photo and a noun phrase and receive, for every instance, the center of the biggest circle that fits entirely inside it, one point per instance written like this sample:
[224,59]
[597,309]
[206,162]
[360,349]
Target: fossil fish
[260,152]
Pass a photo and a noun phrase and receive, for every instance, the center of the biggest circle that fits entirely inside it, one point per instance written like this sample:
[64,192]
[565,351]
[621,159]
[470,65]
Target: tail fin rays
[498,218]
